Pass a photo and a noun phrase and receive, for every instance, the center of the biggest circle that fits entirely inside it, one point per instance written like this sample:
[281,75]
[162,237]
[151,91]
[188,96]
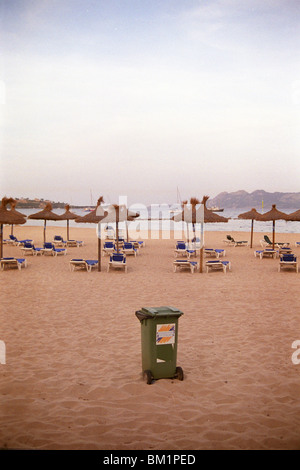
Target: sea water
[157,217]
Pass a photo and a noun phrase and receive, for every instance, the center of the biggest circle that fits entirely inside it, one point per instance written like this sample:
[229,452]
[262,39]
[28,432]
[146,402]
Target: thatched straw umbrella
[9,217]
[95,217]
[273,215]
[190,214]
[45,214]
[193,215]
[210,217]
[294,216]
[119,213]
[68,215]
[13,208]
[251,215]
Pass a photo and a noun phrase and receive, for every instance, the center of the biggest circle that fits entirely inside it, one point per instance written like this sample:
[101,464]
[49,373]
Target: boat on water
[215,209]
[90,208]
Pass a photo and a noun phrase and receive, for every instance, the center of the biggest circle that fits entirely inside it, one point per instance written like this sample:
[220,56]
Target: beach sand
[73,374]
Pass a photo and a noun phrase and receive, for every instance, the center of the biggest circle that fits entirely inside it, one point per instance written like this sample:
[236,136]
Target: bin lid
[154,312]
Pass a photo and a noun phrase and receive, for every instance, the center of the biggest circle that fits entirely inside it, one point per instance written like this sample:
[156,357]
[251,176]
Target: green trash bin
[159,334]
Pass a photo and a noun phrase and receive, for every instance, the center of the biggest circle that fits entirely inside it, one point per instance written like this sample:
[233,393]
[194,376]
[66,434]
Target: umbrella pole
[45,231]
[201,260]
[117,233]
[201,248]
[251,240]
[117,226]
[68,229]
[99,251]
[273,234]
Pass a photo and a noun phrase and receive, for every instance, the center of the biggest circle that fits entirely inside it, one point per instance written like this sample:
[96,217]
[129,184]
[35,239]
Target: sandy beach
[73,374]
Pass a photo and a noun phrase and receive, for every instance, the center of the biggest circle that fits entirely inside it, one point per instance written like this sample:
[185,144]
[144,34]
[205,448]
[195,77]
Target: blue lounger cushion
[185,261]
[118,258]
[288,257]
[20,260]
[91,262]
[217,261]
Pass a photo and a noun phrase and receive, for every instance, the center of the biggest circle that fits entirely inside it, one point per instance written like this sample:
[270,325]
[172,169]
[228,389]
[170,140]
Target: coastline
[72,378]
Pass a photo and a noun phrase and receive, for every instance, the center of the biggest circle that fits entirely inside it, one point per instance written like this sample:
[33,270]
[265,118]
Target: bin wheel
[179,373]
[148,375]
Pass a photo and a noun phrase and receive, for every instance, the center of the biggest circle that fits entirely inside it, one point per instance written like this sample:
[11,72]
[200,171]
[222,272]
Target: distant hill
[26,203]
[243,199]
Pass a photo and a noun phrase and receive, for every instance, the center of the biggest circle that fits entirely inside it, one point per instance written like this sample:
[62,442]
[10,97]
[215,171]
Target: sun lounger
[228,241]
[117,260]
[195,243]
[284,250]
[59,241]
[233,242]
[7,241]
[80,263]
[277,244]
[49,249]
[288,261]
[138,244]
[17,242]
[74,243]
[266,253]
[59,251]
[30,249]
[185,264]
[191,253]
[109,233]
[13,263]
[120,243]
[108,248]
[216,265]
[128,249]
[180,249]
[214,252]
[297,244]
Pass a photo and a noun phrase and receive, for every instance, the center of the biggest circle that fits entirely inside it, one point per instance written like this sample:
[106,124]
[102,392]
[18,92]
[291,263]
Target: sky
[142,98]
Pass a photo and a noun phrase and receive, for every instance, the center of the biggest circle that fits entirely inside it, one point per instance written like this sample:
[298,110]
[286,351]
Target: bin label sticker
[165,334]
